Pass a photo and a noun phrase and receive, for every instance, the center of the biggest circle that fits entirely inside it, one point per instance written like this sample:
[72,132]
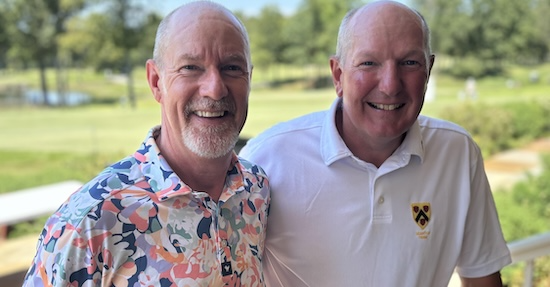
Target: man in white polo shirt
[369,193]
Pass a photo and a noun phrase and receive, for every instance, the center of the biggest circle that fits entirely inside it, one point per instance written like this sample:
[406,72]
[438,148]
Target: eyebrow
[193,57]
[188,56]
[236,57]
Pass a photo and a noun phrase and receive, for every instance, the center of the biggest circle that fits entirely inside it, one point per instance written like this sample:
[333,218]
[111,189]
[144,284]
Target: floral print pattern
[138,224]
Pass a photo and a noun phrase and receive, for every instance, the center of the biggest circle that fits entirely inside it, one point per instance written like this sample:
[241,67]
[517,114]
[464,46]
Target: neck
[373,150]
[200,174]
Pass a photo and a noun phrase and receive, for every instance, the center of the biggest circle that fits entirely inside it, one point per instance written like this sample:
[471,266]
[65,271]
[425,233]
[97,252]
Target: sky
[249,7]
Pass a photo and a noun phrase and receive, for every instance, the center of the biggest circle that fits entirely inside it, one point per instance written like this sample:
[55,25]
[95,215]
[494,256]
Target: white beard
[210,142]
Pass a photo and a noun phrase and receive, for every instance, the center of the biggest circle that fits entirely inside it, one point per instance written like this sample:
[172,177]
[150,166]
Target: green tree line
[479,36]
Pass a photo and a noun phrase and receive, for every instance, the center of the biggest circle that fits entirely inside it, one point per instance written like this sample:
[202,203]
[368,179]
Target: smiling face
[383,76]
[203,80]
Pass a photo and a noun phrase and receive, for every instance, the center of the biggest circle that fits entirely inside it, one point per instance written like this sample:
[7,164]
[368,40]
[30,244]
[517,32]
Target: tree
[37,26]
[97,40]
[129,30]
[542,26]
[32,34]
[527,209]
[486,33]
[312,32]
[4,37]
[316,25]
[266,33]
[61,11]
[117,35]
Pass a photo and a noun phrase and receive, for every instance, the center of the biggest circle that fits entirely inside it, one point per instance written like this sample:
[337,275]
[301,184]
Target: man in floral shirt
[183,210]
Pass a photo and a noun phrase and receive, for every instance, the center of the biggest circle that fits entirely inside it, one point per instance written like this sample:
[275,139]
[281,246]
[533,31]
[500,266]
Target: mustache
[204,103]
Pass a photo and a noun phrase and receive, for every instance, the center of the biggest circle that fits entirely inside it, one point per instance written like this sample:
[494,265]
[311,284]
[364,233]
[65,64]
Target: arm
[492,280]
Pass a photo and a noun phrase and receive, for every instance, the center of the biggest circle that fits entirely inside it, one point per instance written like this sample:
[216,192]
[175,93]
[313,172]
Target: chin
[211,143]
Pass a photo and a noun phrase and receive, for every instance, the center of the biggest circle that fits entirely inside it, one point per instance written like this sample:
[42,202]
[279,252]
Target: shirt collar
[333,148]
[332,145]
[165,183]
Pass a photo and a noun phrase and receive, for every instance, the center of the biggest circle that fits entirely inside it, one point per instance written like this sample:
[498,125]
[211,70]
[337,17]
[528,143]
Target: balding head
[194,12]
[379,13]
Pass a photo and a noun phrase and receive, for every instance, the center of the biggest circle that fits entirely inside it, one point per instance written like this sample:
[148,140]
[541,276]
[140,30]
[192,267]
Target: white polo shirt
[338,221]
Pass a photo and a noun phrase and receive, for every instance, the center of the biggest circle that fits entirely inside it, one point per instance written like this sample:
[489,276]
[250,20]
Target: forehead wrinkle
[239,57]
[236,57]
[189,56]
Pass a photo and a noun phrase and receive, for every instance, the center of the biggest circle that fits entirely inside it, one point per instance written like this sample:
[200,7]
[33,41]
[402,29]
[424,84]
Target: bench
[31,203]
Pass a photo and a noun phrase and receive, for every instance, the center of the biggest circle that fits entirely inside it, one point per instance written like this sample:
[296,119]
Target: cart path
[507,168]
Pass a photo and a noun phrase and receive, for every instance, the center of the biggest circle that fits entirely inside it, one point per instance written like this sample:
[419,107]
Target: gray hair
[161,38]
[345,38]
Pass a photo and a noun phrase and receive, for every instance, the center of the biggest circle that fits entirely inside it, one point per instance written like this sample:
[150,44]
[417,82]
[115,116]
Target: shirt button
[381,200]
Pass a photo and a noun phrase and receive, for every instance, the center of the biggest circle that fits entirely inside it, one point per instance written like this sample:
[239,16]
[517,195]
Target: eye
[411,63]
[367,63]
[189,67]
[189,70]
[233,70]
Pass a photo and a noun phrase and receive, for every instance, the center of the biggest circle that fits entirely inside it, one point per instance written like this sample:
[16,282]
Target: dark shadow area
[13,280]
[241,142]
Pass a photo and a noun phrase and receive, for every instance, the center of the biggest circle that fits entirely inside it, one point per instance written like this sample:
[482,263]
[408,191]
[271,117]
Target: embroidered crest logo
[421,212]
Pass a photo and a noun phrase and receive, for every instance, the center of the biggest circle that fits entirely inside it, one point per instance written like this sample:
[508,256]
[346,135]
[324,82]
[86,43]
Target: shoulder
[448,138]
[113,179]
[441,126]
[286,131]
[444,132]
[250,168]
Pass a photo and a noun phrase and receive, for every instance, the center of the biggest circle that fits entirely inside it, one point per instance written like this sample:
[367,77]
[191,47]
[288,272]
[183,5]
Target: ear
[336,70]
[153,78]
[432,61]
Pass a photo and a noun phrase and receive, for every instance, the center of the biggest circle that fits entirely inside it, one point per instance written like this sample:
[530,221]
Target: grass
[25,169]
[46,145]
[85,130]
[48,139]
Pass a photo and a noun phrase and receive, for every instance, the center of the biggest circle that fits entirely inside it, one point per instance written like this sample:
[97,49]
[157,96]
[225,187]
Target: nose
[212,85]
[390,80]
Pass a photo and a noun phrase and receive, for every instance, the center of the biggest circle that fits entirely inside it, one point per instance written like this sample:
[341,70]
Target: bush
[530,119]
[472,67]
[491,130]
[527,208]
[499,127]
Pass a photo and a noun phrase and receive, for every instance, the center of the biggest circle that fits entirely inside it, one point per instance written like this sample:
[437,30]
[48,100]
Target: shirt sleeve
[484,250]
[69,254]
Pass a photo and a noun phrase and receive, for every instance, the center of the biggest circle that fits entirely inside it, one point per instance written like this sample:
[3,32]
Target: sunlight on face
[205,83]
[211,141]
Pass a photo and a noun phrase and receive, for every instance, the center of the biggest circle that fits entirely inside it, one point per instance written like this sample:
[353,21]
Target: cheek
[358,84]
[417,85]
[240,90]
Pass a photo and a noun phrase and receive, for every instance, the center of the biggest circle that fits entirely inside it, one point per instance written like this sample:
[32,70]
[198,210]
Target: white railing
[28,204]
[528,250]
[46,199]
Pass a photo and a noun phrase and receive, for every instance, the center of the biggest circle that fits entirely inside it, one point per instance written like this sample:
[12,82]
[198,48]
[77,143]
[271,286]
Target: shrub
[499,127]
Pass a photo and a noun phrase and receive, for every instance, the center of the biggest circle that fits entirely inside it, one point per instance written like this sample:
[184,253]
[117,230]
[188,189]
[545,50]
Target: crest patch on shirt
[421,212]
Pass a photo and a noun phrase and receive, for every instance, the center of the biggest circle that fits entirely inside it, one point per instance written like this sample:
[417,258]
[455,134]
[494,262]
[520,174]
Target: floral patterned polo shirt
[138,224]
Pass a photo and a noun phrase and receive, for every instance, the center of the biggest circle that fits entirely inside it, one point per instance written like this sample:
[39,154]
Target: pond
[35,97]
[19,96]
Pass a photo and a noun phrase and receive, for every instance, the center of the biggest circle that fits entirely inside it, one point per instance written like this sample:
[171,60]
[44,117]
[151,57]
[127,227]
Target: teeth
[205,114]
[386,107]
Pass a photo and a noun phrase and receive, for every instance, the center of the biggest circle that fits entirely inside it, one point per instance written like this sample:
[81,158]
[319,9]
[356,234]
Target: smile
[205,114]
[386,107]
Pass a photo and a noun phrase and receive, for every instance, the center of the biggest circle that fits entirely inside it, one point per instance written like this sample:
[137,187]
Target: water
[34,97]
